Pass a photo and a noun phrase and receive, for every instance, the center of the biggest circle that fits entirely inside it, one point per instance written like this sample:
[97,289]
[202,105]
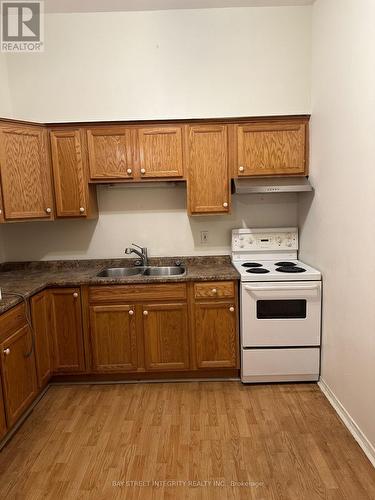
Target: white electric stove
[280,307]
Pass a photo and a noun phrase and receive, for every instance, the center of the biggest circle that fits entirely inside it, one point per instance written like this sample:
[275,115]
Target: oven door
[280,314]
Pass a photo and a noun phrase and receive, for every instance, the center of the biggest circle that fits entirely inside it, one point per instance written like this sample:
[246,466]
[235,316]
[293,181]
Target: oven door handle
[280,288]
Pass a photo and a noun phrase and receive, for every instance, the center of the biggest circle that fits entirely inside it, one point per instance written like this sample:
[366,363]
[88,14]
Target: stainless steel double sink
[122,272]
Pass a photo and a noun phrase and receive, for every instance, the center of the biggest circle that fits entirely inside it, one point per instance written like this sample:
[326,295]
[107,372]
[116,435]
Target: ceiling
[61,6]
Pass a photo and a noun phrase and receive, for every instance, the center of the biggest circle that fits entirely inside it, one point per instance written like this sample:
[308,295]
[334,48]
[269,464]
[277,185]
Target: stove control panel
[263,240]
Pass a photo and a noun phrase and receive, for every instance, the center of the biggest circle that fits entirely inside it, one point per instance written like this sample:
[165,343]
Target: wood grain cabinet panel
[215,334]
[39,313]
[74,197]
[18,372]
[275,148]
[113,338]
[214,290]
[166,336]
[110,151]
[66,330]
[3,423]
[161,153]
[208,175]
[25,173]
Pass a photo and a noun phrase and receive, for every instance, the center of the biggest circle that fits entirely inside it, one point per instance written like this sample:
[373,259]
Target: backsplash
[152,217]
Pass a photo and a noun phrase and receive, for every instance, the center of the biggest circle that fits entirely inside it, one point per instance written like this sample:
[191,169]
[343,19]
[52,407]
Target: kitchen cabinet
[3,423]
[66,330]
[216,324]
[25,173]
[272,148]
[166,336]
[208,174]
[161,153]
[216,334]
[113,338]
[110,152]
[74,196]
[39,314]
[18,373]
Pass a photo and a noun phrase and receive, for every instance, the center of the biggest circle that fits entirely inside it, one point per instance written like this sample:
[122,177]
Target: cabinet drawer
[12,320]
[214,290]
[134,293]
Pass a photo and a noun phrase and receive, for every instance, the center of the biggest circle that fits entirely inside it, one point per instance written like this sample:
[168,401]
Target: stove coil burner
[257,270]
[251,264]
[285,264]
[291,269]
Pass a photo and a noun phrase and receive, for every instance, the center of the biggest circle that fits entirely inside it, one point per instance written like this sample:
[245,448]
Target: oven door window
[281,309]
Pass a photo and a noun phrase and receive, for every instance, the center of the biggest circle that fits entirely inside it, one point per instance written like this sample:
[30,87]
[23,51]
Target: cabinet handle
[49,210]
[1,211]
[214,290]
[225,204]
[231,309]
[6,351]
[75,295]
[143,171]
[131,312]
[145,313]
[129,171]
[81,209]
[241,169]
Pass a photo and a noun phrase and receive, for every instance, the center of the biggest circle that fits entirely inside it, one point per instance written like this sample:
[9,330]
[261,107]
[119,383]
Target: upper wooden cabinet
[208,175]
[110,152]
[74,196]
[161,153]
[25,173]
[273,148]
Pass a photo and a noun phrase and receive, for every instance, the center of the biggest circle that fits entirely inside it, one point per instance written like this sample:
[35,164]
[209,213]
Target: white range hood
[272,185]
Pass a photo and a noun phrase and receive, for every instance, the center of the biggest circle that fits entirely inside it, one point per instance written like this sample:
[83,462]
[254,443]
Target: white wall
[5,100]
[338,232]
[152,217]
[167,64]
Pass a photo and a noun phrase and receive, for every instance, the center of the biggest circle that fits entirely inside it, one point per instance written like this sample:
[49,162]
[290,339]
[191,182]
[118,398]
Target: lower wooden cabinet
[39,313]
[166,336]
[113,338]
[216,337]
[66,330]
[3,423]
[18,373]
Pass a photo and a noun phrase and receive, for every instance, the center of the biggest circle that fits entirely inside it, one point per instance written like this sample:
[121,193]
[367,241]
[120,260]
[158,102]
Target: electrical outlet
[204,237]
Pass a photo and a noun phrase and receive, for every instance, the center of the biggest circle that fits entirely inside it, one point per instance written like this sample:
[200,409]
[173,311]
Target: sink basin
[118,272]
[164,271]
[123,272]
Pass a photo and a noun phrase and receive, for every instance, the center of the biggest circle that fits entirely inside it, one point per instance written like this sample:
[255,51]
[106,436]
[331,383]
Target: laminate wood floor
[217,440]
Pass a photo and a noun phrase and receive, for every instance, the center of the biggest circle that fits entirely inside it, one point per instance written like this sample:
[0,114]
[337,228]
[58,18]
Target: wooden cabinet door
[166,336]
[3,423]
[18,371]
[66,329]
[25,174]
[113,338]
[161,152]
[216,334]
[73,196]
[110,152]
[208,178]
[272,149]
[39,313]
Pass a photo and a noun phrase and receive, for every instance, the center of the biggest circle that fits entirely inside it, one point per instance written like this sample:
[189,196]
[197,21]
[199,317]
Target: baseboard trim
[348,421]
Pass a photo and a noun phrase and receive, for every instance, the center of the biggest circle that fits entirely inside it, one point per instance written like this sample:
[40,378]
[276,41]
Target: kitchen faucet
[142,253]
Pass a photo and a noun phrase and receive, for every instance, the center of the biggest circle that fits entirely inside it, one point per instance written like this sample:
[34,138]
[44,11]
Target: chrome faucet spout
[142,253]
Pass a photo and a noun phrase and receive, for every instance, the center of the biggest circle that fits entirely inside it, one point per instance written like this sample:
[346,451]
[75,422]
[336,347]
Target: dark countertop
[29,278]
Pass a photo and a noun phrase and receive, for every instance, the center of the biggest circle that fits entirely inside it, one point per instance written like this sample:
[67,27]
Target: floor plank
[196,440]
